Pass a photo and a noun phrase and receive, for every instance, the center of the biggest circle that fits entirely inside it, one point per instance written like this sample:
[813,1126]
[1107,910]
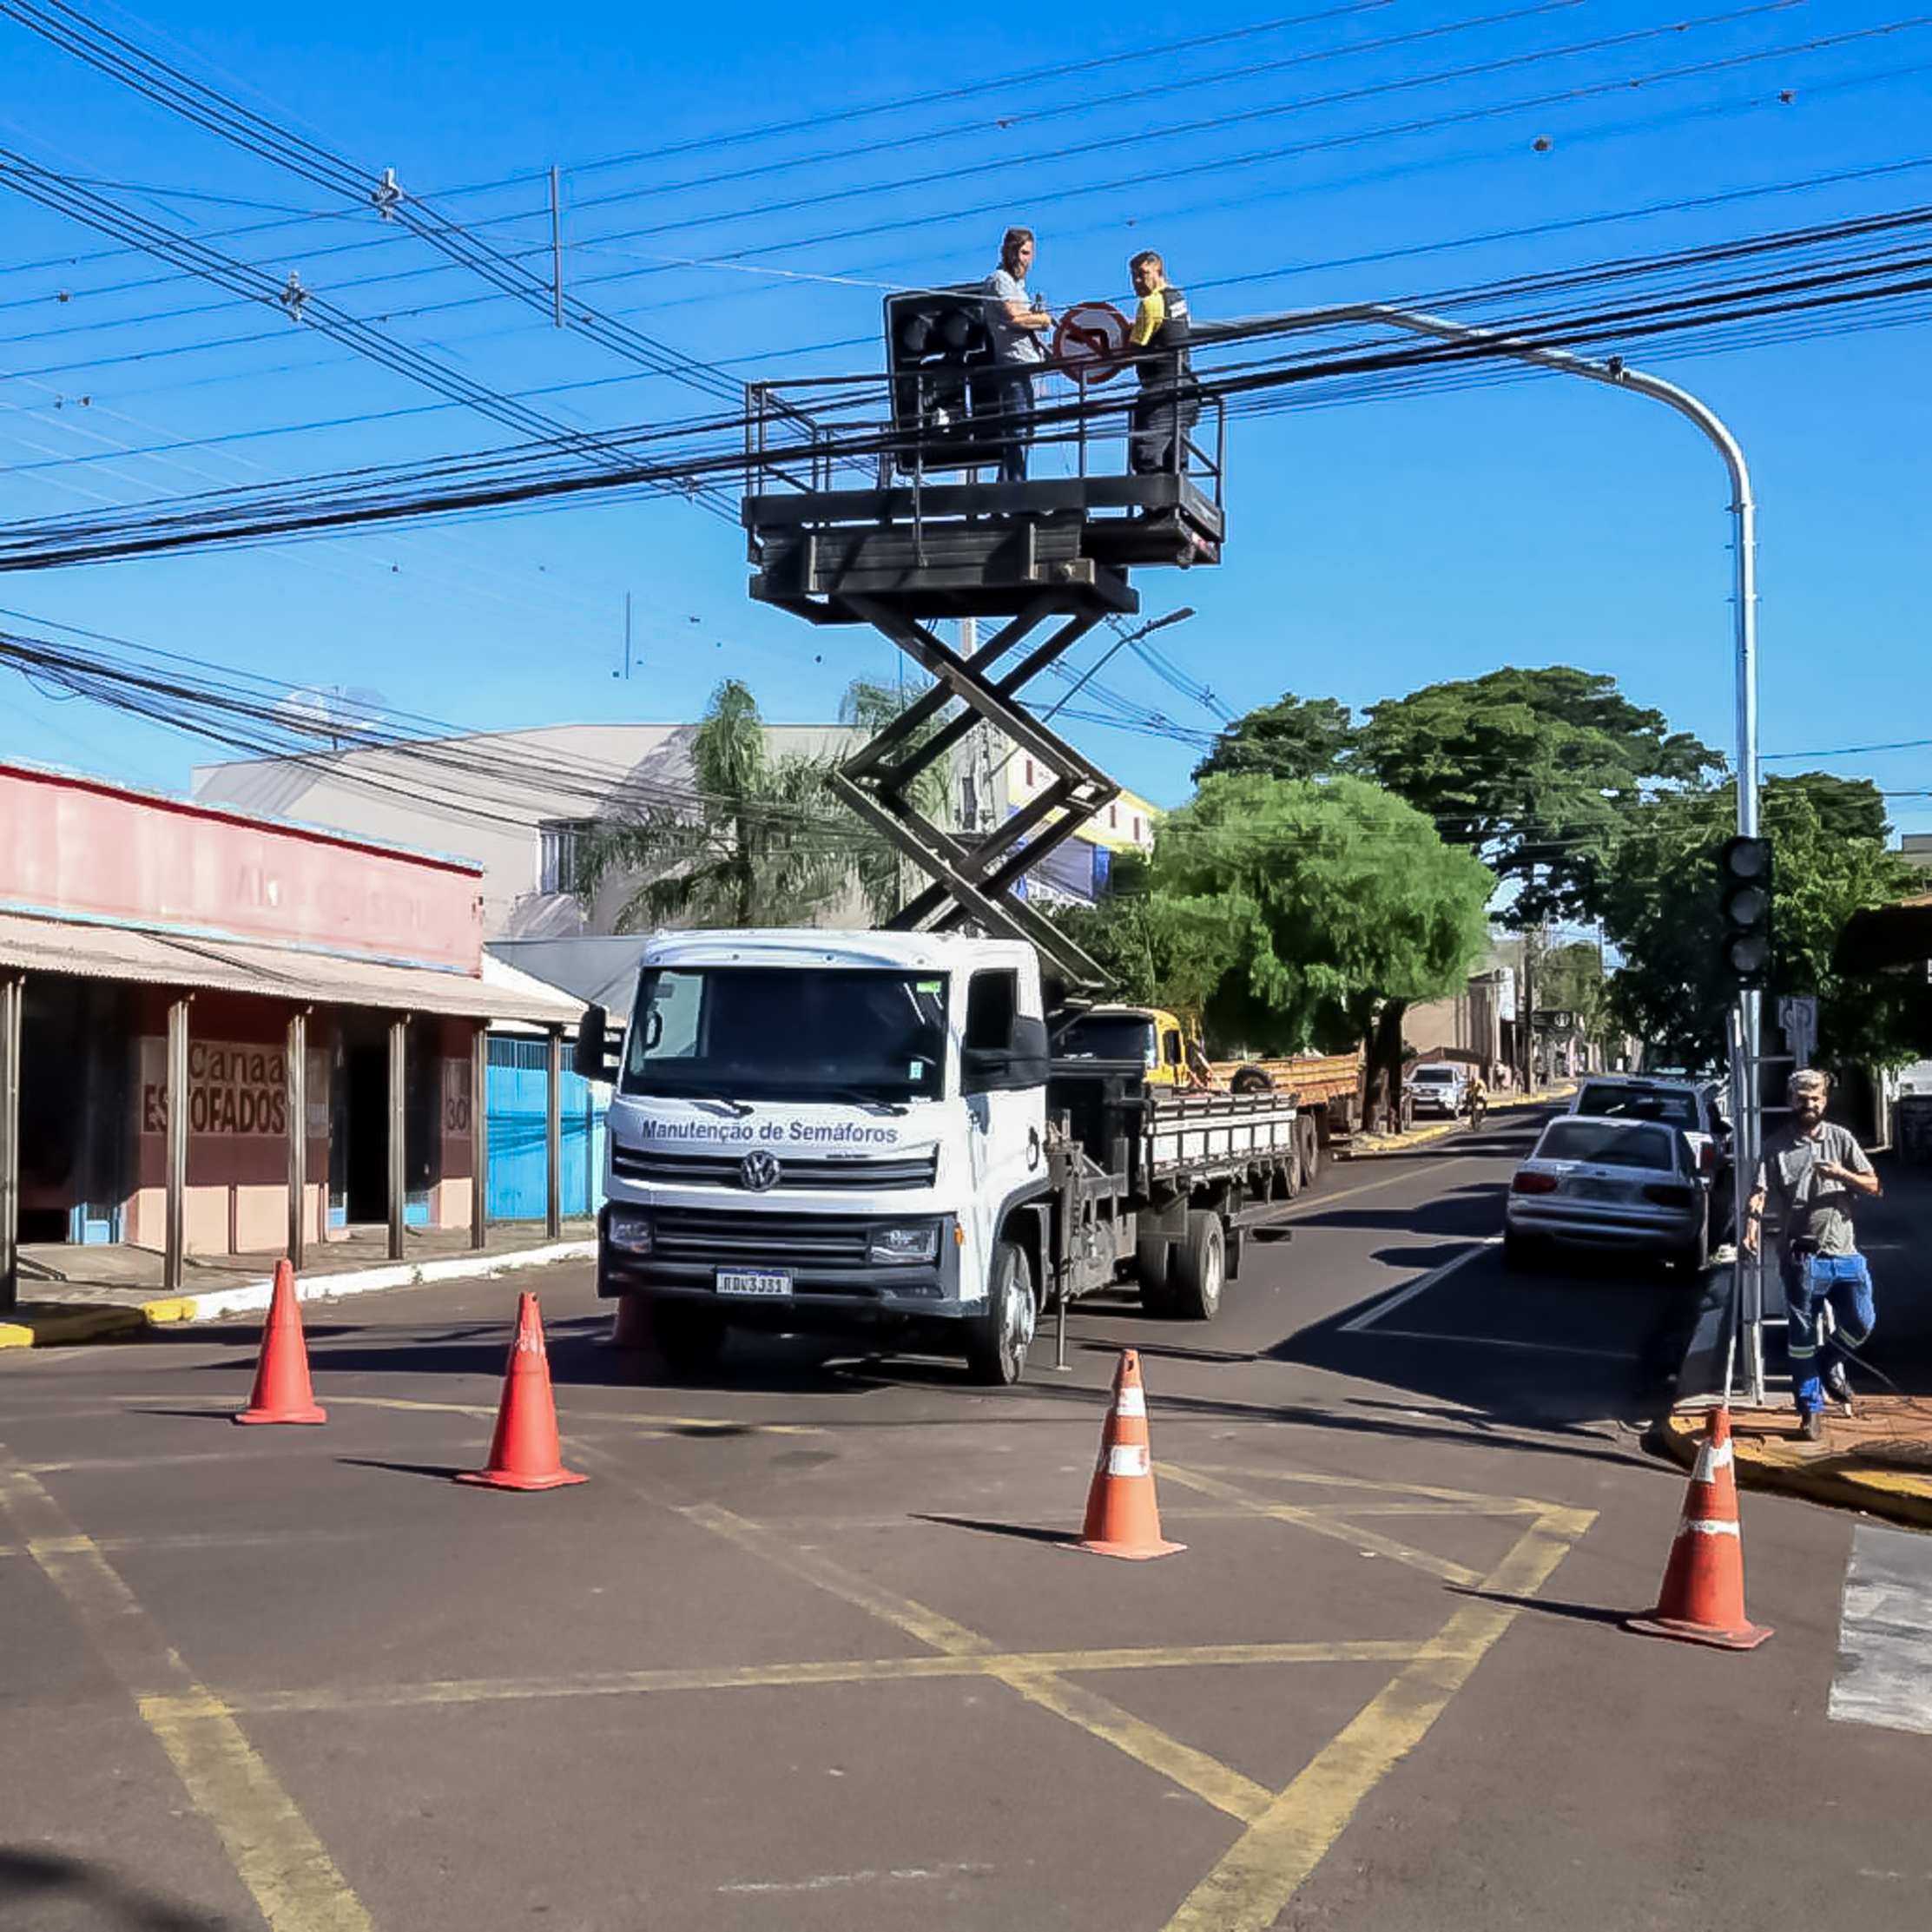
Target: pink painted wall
[84,849]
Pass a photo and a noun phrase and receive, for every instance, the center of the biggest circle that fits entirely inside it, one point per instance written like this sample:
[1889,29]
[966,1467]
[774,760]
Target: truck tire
[1200,1268]
[997,1341]
[1308,1149]
[1252,1079]
[690,1338]
[1153,1270]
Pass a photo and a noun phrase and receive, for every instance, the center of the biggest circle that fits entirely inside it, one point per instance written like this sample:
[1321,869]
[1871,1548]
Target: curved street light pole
[1749,1299]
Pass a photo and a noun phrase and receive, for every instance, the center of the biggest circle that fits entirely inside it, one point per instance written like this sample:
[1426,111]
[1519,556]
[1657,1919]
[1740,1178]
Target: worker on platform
[1169,405]
[1017,321]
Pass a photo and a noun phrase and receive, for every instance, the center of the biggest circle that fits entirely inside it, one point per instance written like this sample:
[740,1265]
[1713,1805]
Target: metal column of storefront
[173,1261]
[398,1166]
[296,1074]
[13,988]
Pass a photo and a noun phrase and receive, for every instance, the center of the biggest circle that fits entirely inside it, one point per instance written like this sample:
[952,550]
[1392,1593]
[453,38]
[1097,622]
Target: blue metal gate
[513,1092]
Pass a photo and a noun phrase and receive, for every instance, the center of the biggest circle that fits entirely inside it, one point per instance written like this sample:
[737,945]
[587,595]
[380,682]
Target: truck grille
[725,1238]
[672,1169]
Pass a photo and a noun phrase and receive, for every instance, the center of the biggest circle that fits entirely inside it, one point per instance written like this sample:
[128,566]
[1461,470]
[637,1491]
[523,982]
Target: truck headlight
[629,1231]
[914,1241]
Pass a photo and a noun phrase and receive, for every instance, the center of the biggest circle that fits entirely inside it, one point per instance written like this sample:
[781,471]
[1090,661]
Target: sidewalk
[1879,1458]
[1499,1102]
[114,1292]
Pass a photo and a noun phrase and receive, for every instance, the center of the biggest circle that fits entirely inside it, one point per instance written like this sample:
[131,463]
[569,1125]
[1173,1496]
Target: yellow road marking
[859,1670]
[291,1878]
[1248,1891]
[1219,1785]
[1470,1502]
[1323,1523]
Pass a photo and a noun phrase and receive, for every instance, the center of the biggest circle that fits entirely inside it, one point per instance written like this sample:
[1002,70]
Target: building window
[560,867]
[1029,775]
[1137,827]
[1113,817]
[969,804]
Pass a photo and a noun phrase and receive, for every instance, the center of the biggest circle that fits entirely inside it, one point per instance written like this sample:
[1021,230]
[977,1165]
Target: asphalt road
[807,1650]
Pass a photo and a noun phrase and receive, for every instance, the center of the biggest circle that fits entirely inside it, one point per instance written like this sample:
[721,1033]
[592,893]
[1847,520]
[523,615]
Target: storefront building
[225,1035]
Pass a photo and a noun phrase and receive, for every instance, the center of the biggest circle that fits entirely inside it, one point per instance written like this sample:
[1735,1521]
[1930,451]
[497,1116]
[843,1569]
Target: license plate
[1588,1189]
[754,1281]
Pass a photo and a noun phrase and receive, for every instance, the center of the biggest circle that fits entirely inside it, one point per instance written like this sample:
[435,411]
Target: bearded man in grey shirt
[1814,1169]
[1016,321]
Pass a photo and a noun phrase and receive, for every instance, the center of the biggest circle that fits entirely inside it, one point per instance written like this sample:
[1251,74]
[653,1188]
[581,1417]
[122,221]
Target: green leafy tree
[1294,737]
[1328,906]
[761,843]
[1536,771]
[1830,860]
[1151,951]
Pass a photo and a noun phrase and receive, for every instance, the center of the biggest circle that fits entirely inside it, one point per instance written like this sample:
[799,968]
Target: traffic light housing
[1744,902]
[938,352]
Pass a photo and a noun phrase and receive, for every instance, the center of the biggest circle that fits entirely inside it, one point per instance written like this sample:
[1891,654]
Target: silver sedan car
[1618,1186]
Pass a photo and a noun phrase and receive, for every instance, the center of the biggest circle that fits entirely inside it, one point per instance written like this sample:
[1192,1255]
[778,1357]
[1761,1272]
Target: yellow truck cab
[1148,1034]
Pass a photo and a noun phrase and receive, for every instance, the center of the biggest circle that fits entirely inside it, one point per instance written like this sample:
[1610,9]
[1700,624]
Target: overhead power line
[303,306]
[1672,297]
[208,108]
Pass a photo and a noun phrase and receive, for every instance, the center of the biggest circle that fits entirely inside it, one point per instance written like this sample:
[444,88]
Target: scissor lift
[845,526]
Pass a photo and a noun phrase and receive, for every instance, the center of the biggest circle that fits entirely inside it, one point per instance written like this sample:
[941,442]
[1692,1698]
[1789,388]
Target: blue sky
[722,191]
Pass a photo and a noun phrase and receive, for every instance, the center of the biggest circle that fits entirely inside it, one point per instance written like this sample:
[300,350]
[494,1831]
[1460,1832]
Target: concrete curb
[52,1326]
[1440,1129]
[1835,1482]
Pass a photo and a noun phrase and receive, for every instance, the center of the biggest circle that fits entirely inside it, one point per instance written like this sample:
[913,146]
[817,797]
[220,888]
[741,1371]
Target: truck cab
[1150,1035]
[826,1129]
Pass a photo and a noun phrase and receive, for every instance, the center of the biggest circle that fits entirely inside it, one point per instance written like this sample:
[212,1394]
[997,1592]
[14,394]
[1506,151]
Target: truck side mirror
[1021,1063]
[589,1049]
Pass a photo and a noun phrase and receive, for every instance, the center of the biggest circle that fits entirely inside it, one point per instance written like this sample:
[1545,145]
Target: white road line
[1369,1316]
[1885,1632]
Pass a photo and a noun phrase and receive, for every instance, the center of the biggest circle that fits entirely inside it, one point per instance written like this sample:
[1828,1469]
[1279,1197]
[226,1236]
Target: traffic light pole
[1748,1299]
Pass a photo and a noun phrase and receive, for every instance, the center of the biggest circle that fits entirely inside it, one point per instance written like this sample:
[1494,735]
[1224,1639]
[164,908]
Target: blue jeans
[1017,398]
[1812,1282]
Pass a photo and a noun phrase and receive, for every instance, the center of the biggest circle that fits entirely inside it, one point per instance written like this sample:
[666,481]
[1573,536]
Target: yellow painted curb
[59,1327]
[173,1308]
[1898,1495]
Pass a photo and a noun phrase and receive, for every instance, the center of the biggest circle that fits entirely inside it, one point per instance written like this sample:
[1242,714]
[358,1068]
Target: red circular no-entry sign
[1090,340]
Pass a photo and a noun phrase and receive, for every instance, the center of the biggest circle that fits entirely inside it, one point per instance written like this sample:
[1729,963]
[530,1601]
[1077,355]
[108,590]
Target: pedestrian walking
[1814,1169]
[1016,319]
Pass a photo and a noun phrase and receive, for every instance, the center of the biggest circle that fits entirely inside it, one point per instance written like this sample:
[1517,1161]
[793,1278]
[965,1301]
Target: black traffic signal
[1744,899]
[939,351]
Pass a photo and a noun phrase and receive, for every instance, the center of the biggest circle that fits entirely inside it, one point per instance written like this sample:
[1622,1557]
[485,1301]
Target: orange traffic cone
[1122,1517]
[1703,1598]
[525,1452]
[282,1392]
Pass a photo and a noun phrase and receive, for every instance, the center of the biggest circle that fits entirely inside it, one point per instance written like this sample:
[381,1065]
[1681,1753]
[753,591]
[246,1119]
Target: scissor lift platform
[843,528]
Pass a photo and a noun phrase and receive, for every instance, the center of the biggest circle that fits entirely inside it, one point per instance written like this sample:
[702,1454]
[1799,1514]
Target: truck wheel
[1200,1266]
[997,1341]
[1251,1079]
[690,1338]
[1153,1268]
[1308,1149]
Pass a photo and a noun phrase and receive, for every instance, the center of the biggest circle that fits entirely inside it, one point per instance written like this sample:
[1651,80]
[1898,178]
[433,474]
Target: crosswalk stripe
[1885,1632]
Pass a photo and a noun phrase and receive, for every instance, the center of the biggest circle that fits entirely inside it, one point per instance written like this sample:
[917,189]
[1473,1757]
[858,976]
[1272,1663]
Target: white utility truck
[822,1131]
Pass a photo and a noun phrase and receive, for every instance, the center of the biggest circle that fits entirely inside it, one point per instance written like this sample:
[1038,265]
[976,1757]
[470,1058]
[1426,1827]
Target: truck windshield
[1110,1037]
[783,1034]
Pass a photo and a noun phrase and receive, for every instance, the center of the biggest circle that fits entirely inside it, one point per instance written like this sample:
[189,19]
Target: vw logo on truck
[759,1170]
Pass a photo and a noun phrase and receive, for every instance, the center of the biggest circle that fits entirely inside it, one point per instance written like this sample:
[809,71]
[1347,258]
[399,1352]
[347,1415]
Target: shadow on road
[50,1882]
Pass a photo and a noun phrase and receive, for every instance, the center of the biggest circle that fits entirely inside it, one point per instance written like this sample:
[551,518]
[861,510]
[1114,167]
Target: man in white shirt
[1017,321]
